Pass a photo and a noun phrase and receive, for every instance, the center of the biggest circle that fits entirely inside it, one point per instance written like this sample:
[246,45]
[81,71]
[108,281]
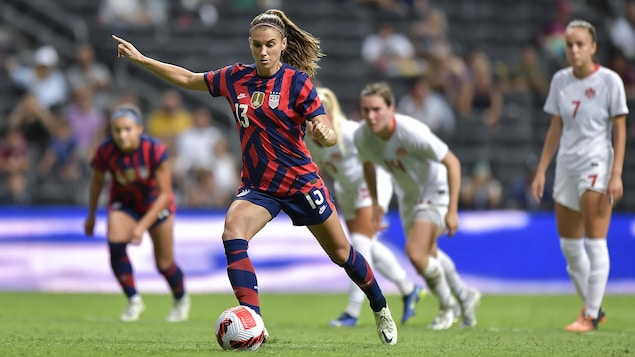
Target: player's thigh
[244,219]
[569,222]
[596,213]
[120,226]
[362,222]
[162,235]
[331,237]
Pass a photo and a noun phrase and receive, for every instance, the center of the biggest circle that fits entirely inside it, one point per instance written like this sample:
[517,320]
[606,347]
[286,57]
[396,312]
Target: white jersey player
[353,200]
[427,177]
[588,107]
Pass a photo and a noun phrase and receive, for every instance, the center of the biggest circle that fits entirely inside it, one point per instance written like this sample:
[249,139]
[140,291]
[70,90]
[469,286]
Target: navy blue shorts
[303,209]
[162,217]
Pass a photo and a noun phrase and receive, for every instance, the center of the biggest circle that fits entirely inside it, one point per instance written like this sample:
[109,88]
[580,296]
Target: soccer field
[33,324]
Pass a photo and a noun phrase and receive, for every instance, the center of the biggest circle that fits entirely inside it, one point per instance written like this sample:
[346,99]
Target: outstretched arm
[174,74]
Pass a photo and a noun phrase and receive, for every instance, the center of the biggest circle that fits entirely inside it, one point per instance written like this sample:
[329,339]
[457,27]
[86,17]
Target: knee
[418,259]
[339,255]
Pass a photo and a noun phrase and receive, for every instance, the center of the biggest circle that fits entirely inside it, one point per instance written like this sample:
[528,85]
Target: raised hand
[126,49]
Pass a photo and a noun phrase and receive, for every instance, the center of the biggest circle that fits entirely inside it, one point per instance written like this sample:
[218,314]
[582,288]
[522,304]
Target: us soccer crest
[257,98]
[274,99]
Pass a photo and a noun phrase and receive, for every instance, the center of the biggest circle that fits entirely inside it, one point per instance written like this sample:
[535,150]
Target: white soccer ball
[240,328]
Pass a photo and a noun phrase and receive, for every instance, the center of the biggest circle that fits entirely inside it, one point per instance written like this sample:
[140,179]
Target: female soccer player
[427,177]
[141,200]
[272,100]
[586,102]
[341,163]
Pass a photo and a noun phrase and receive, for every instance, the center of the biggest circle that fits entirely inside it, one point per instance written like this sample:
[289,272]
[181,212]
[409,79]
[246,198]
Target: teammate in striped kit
[342,164]
[272,100]
[141,200]
[427,178]
[587,103]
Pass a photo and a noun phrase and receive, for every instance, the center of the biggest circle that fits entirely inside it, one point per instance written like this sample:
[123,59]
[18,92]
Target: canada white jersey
[586,107]
[412,155]
[341,162]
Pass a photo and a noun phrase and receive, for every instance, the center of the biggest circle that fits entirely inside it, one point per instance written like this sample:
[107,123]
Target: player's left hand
[137,235]
[323,134]
[452,222]
[615,189]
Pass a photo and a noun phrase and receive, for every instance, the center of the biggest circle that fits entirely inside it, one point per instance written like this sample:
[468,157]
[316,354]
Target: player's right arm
[370,175]
[548,150]
[96,184]
[174,74]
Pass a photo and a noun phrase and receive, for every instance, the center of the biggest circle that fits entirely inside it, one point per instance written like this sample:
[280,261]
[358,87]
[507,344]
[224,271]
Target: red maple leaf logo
[589,93]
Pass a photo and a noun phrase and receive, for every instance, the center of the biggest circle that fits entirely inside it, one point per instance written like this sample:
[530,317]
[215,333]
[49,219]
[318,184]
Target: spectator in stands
[201,190]
[621,66]
[171,118]
[520,195]
[86,74]
[447,73]
[551,37]
[87,123]
[529,74]
[60,161]
[482,190]
[124,14]
[14,166]
[391,52]
[428,106]
[43,79]
[34,121]
[226,173]
[483,97]
[429,32]
[622,31]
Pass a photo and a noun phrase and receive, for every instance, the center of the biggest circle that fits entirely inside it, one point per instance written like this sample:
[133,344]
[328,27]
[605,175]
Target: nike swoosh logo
[388,340]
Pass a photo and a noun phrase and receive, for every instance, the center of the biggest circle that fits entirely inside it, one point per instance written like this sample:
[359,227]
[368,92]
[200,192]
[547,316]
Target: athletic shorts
[303,209]
[569,187]
[429,209]
[136,215]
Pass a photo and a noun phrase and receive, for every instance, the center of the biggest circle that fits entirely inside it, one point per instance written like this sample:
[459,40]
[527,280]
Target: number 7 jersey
[587,107]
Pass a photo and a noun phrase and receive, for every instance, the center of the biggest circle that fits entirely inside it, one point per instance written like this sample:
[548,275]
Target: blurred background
[476,72]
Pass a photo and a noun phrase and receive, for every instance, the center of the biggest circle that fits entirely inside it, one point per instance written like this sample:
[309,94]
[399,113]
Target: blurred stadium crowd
[476,71]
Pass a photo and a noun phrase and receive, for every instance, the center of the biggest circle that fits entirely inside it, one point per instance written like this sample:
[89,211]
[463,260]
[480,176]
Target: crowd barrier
[44,249]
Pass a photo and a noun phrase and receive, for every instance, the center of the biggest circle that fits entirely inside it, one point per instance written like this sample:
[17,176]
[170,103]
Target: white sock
[386,263]
[451,276]
[435,278]
[356,296]
[600,265]
[578,265]
[136,298]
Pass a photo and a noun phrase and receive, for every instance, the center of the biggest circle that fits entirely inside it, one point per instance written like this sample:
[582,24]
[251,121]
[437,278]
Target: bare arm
[453,165]
[174,74]
[164,183]
[370,175]
[615,189]
[94,191]
[548,150]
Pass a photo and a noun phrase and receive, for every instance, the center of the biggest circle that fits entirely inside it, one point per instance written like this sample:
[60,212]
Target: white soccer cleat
[468,306]
[180,311]
[266,339]
[445,318]
[386,327]
[134,309]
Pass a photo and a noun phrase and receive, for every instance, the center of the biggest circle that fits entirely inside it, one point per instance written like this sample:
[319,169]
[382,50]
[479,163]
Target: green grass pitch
[38,324]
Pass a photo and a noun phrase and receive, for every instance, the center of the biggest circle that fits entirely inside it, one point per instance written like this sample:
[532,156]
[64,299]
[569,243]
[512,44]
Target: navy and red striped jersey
[133,183]
[271,114]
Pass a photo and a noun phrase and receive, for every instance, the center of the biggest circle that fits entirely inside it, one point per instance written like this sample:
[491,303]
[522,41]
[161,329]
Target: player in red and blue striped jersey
[272,100]
[141,200]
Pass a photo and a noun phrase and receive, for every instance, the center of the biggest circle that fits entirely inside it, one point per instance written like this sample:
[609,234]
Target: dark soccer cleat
[410,303]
